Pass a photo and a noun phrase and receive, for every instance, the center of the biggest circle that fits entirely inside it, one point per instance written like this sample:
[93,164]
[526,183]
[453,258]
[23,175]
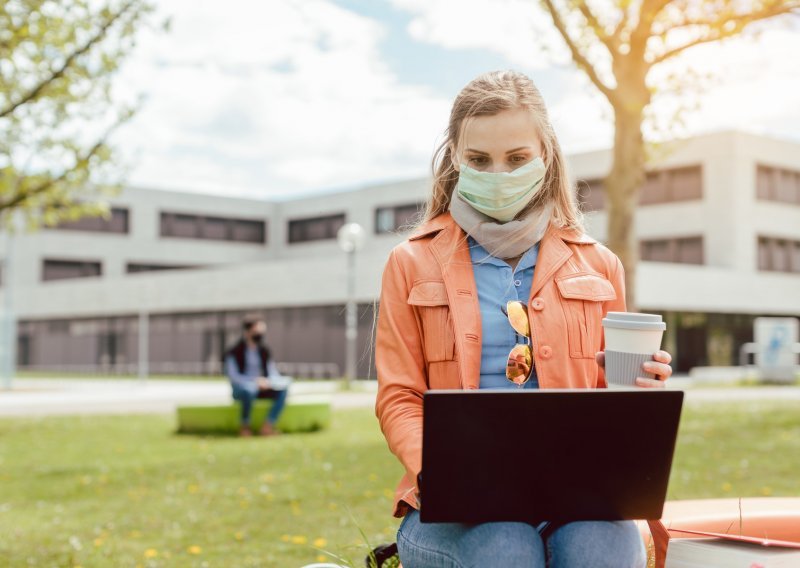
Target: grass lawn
[126,491]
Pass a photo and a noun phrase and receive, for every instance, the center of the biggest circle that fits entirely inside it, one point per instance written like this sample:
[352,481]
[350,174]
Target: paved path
[41,397]
[44,397]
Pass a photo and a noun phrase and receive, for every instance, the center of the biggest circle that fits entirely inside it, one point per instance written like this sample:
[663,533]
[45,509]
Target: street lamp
[351,239]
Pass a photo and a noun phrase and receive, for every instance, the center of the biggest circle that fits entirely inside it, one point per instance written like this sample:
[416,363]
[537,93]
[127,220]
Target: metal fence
[298,370]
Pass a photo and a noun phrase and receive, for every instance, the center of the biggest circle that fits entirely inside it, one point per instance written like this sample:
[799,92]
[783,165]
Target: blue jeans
[247,396]
[586,544]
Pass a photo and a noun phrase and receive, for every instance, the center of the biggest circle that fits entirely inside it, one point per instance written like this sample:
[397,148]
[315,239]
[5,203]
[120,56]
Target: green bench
[297,416]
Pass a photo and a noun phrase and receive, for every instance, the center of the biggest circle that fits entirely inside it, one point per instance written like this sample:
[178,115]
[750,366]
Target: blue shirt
[497,284]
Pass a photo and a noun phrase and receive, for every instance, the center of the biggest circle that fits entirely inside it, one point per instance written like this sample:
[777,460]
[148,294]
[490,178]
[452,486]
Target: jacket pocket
[430,299]
[582,297]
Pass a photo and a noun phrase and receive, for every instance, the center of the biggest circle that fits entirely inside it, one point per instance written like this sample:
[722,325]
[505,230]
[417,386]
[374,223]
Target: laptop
[546,455]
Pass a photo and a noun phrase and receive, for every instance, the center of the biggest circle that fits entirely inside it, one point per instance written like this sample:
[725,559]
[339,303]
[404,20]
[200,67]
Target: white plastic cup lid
[634,321]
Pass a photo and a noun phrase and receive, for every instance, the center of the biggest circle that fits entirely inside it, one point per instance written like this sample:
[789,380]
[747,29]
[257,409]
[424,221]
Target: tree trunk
[622,190]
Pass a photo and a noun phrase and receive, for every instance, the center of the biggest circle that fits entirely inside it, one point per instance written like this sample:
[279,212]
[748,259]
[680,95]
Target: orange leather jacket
[429,328]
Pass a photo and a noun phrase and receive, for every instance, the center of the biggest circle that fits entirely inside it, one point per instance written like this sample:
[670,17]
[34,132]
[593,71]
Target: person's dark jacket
[238,352]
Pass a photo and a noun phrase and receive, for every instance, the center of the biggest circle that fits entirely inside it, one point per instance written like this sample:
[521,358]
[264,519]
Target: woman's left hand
[659,366]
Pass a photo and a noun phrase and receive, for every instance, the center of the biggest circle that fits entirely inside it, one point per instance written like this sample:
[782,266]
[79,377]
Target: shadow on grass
[222,434]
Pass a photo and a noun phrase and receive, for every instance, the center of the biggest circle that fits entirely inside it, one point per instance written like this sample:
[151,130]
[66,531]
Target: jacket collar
[575,236]
[432,226]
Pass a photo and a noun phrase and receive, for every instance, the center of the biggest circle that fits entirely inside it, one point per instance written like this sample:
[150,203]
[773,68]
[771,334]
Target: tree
[57,60]
[618,44]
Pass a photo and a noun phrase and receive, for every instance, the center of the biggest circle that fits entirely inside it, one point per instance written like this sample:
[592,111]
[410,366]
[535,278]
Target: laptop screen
[555,455]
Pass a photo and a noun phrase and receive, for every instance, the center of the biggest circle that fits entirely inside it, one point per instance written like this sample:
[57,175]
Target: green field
[127,491]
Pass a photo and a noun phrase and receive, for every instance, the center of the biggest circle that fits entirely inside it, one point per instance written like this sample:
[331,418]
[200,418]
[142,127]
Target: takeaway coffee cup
[630,340]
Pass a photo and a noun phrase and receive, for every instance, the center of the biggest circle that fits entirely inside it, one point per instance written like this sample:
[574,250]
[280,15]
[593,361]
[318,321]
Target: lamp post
[351,239]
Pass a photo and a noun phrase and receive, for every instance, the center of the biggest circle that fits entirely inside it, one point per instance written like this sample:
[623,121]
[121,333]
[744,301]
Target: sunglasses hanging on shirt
[519,366]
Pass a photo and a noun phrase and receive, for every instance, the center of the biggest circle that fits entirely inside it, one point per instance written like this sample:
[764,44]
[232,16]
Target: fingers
[659,367]
[660,370]
[600,357]
[663,357]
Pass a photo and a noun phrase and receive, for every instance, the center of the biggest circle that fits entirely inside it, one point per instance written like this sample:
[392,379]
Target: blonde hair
[487,95]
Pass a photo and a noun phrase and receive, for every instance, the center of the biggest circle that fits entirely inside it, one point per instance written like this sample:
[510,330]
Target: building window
[397,218]
[213,228]
[683,250]
[53,269]
[136,267]
[779,255]
[116,223]
[245,231]
[178,225]
[668,186]
[778,184]
[591,195]
[661,186]
[690,250]
[315,229]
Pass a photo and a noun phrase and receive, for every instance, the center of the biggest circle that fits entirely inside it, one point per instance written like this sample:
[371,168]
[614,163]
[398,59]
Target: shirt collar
[482,256]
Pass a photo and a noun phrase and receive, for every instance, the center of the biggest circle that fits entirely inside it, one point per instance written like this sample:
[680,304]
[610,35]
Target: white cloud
[273,98]
[516,29]
[283,97]
[759,78]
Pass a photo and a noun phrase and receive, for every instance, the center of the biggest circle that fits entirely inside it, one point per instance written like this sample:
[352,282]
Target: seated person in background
[253,374]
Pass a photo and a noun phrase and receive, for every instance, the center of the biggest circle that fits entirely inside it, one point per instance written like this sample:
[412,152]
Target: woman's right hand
[659,366]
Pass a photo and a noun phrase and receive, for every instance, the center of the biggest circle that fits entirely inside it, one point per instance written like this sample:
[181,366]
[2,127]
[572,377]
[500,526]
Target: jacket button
[538,304]
[545,351]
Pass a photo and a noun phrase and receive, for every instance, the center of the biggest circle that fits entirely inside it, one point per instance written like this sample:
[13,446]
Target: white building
[719,225]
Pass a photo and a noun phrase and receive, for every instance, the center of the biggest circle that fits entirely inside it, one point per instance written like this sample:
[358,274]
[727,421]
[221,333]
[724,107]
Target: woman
[497,288]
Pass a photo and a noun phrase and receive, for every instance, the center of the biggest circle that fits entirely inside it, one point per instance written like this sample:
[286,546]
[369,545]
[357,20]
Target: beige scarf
[501,240]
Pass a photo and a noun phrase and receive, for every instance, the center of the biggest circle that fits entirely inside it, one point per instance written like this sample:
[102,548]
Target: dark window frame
[119,223]
[671,249]
[298,229]
[659,186]
[239,230]
[140,267]
[402,217]
[768,250]
[591,193]
[64,262]
[777,184]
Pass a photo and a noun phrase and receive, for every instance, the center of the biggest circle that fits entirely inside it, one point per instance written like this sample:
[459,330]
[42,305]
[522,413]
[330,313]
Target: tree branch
[59,72]
[611,42]
[648,12]
[47,184]
[719,29]
[577,56]
[616,35]
[689,22]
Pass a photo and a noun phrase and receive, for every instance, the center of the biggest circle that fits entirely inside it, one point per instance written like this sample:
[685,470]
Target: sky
[282,98]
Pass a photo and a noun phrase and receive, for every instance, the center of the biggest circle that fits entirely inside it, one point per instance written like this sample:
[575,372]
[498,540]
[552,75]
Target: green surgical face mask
[504,194]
